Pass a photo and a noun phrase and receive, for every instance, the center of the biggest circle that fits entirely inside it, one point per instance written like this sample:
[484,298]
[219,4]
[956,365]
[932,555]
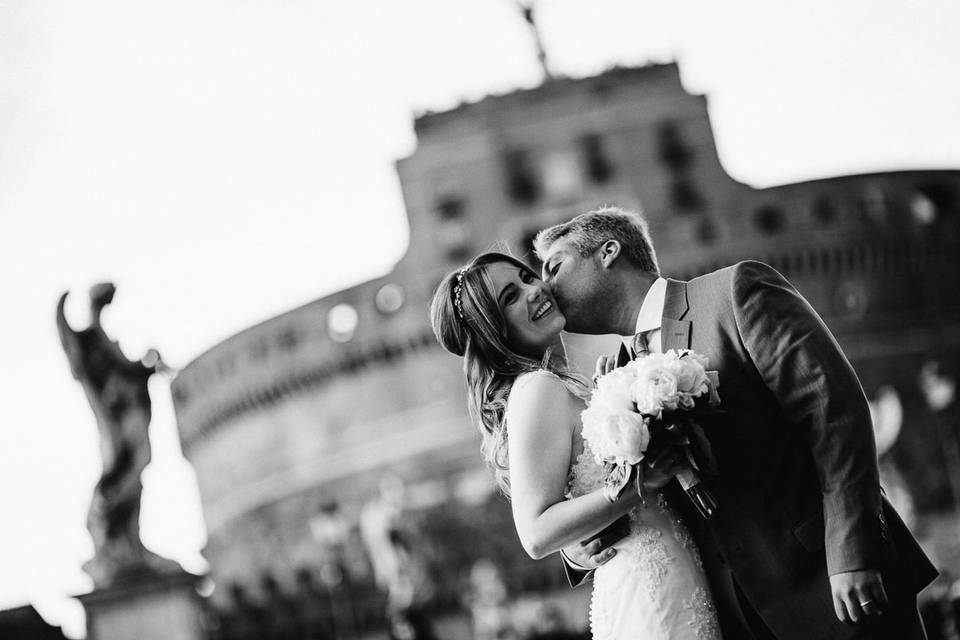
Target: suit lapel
[623,356]
[674,331]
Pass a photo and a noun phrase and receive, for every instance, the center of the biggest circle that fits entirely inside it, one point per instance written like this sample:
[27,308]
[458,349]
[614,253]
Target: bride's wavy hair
[468,322]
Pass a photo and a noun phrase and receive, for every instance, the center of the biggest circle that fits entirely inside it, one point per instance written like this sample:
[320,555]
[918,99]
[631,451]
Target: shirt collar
[651,311]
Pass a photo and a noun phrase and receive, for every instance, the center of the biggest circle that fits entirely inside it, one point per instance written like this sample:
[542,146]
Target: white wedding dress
[654,588]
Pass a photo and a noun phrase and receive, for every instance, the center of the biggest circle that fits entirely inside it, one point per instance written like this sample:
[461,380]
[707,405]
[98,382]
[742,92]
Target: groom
[803,545]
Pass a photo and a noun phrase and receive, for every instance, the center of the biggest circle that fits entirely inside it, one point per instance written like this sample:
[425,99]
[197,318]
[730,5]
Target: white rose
[620,436]
[693,356]
[655,390]
[613,389]
[690,372]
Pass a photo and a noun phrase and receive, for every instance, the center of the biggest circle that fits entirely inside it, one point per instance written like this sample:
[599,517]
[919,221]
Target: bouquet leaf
[617,480]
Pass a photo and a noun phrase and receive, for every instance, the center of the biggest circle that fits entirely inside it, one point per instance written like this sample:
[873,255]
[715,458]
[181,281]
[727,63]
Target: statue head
[101,295]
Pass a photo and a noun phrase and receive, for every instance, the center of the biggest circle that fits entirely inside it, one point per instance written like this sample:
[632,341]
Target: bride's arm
[541,418]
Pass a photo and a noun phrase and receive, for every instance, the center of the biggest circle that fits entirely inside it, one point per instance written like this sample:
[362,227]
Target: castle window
[769,219]
[389,298]
[342,322]
[259,350]
[450,207]
[522,183]
[872,204]
[673,151]
[181,396]
[824,211]
[706,232]
[454,238]
[932,200]
[943,195]
[287,339]
[596,164]
[459,253]
[685,195]
[562,179]
[922,209]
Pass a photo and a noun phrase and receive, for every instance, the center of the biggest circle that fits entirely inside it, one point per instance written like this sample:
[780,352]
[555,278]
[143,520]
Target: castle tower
[507,166]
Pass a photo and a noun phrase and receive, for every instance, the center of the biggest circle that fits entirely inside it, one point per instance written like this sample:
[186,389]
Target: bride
[502,320]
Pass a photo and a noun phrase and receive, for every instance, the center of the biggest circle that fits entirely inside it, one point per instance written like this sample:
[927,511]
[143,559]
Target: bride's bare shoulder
[540,381]
[540,394]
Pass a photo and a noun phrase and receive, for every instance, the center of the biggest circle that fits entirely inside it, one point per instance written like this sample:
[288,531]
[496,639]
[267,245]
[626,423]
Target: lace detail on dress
[680,530]
[703,615]
[648,554]
[654,588]
[650,557]
[585,474]
[601,626]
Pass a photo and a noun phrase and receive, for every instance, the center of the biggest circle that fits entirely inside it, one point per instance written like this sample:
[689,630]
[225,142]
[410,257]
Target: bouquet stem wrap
[699,495]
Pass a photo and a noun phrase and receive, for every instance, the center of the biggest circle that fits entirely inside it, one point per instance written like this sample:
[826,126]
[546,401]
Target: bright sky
[225,160]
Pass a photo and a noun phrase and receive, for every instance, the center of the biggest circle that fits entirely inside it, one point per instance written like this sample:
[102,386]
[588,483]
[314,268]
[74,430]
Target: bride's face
[533,319]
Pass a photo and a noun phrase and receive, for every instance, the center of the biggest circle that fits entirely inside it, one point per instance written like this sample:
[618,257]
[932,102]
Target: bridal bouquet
[651,403]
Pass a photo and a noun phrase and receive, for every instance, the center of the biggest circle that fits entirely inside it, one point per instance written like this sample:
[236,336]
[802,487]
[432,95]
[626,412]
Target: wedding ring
[595,378]
[865,603]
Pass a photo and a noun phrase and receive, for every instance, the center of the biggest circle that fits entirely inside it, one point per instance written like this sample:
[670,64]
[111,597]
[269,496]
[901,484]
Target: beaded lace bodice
[657,565]
[586,474]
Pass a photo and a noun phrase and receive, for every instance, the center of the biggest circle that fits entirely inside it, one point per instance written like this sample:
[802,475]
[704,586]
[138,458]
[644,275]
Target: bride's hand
[598,548]
[659,470]
[605,364]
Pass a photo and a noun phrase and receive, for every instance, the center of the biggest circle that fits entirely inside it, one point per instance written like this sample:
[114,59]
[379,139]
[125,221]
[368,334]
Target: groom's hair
[588,231]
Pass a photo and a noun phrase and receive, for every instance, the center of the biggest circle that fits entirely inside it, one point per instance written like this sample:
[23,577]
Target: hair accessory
[457,291]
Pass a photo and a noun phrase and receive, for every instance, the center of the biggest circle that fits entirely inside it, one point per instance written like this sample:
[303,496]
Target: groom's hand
[598,549]
[605,364]
[858,594]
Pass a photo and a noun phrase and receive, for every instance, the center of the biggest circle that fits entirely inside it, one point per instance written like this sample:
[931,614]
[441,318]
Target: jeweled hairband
[457,291]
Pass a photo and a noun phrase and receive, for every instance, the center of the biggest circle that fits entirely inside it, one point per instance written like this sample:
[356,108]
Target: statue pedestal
[149,606]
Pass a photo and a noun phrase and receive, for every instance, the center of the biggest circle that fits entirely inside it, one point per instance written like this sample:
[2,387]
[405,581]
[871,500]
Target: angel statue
[117,391]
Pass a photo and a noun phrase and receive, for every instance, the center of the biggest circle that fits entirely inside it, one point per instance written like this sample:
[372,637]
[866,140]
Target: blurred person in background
[397,567]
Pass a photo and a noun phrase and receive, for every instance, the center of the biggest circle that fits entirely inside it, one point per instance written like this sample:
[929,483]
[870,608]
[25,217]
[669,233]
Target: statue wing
[69,339]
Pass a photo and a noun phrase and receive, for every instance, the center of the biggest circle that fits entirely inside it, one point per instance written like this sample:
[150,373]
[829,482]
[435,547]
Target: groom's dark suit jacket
[798,485]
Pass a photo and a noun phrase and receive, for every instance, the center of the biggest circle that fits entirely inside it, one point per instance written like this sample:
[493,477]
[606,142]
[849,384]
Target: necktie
[640,346]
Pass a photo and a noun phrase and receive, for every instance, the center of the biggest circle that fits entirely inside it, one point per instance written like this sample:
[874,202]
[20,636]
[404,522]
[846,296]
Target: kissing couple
[803,545]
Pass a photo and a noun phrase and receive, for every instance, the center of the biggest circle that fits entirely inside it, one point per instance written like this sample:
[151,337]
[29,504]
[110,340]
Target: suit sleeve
[576,575]
[803,367]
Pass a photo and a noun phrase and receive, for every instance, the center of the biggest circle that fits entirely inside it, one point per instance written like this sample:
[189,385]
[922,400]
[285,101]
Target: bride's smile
[544,309]
[533,319]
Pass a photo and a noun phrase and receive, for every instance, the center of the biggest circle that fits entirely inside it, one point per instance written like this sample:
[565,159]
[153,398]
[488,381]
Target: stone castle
[304,414]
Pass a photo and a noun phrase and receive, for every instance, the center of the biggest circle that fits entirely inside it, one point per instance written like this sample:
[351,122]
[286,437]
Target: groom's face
[577,285]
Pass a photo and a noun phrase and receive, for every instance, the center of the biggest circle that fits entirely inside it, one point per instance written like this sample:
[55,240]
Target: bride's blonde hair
[468,322]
